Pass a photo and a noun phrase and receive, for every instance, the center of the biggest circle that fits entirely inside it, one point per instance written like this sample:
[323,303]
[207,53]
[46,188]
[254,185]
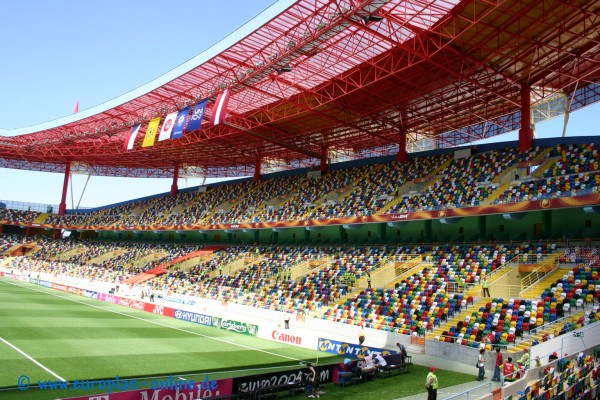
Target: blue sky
[55,53]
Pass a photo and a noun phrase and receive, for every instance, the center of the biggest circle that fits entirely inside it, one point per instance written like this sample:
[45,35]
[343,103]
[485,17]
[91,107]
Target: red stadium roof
[361,74]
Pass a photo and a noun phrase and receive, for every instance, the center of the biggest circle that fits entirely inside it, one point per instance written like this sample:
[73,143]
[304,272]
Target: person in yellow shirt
[485,285]
[432,384]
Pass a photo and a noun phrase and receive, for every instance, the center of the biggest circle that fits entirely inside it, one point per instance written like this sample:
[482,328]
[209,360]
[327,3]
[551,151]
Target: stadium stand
[423,183]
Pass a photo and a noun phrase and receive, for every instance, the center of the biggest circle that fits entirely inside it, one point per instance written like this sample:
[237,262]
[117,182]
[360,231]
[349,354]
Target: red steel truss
[363,73]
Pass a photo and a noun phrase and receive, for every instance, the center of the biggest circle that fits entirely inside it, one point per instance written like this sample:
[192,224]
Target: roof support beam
[266,138]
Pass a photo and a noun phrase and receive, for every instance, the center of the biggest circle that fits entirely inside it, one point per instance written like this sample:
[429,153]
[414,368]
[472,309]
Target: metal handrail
[501,268]
[466,393]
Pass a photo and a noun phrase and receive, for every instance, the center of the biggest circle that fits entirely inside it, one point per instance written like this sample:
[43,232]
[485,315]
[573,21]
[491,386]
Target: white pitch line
[33,360]
[155,323]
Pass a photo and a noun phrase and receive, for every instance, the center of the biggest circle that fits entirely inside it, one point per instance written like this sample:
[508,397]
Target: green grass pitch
[74,337]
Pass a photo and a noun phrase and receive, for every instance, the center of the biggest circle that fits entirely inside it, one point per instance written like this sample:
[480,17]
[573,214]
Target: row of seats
[357,191]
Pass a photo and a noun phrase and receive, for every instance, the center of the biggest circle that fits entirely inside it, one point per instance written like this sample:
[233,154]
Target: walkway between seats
[450,391]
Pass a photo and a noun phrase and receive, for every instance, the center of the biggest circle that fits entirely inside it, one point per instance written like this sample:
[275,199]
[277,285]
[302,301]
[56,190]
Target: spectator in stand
[481,365]
[361,335]
[499,362]
[485,285]
[286,319]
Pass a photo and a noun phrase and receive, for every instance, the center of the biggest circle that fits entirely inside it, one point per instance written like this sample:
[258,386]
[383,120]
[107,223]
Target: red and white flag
[130,139]
[167,127]
[220,109]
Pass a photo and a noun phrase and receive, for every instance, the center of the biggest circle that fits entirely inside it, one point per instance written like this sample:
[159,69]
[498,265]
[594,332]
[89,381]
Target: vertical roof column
[174,187]
[257,170]
[402,154]
[526,132]
[62,207]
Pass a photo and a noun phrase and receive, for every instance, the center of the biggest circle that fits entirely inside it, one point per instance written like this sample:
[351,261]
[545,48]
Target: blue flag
[196,118]
[180,123]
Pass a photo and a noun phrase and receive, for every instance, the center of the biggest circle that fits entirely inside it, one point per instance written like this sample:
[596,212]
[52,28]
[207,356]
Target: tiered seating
[69,219]
[420,302]
[463,183]
[500,321]
[576,172]
[244,211]
[588,256]
[72,269]
[206,210]
[9,241]
[452,264]
[52,249]
[188,282]
[312,191]
[467,263]
[416,304]
[576,288]
[574,159]
[254,285]
[14,215]
[572,185]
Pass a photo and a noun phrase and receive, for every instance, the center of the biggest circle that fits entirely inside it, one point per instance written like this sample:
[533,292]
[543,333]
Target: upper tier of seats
[421,183]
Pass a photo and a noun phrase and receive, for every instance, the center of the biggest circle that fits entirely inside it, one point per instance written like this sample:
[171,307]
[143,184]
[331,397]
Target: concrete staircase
[554,329]
[536,290]
[494,196]
[457,317]
[70,253]
[40,219]
[339,194]
[434,177]
[147,259]
[406,269]
[106,256]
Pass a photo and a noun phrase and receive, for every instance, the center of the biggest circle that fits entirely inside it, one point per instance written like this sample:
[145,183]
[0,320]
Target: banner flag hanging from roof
[151,132]
[196,118]
[130,140]
[220,109]
[180,123]
[167,127]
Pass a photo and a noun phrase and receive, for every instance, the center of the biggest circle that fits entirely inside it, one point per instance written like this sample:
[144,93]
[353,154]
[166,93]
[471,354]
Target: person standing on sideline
[485,285]
[313,377]
[402,351]
[481,364]
[286,319]
[432,384]
[499,362]
[361,335]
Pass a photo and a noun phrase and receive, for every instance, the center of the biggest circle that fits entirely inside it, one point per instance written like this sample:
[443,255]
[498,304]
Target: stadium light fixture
[285,68]
[372,18]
